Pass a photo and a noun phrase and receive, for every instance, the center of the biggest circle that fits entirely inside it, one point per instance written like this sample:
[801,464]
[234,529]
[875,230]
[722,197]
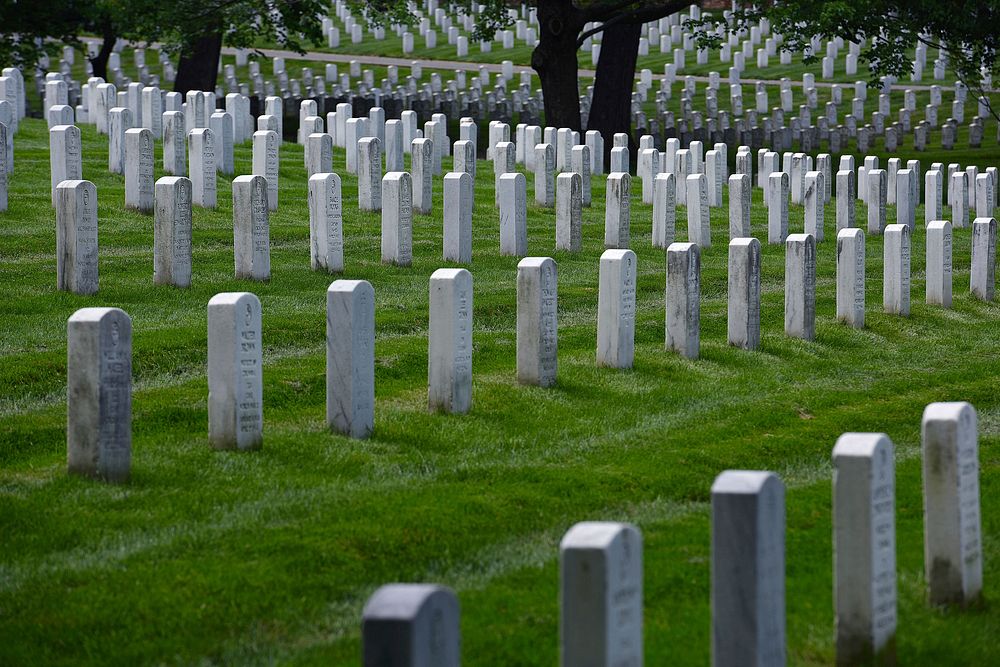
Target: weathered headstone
[748,569]
[370,175]
[683,299]
[982,278]
[601,597]
[896,270]
[139,169]
[958,198]
[939,246]
[265,162]
[319,154]
[744,293]
[172,232]
[350,357]
[664,210]
[739,206]
[800,286]
[422,166]
[449,340]
[76,237]
[699,229]
[953,556]
[397,218]
[851,276]
[569,212]
[119,120]
[174,150]
[846,199]
[616,309]
[458,203]
[235,371]
[864,534]
[65,156]
[99,394]
[201,145]
[777,207]
[513,215]
[878,183]
[221,124]
[617,210]
[326,223]
[251,228]
[537,324]
[813,195]
[545,184]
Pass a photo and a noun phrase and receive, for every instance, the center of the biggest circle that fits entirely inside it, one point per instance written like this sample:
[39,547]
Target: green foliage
[30,29]
[966,31]
[381,13]
[178,24]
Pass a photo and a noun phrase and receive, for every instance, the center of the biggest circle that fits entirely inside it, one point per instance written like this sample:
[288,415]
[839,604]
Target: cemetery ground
[268,556]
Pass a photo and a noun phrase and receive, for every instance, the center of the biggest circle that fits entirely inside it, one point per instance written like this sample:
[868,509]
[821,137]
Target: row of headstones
[601,564]
[99,440]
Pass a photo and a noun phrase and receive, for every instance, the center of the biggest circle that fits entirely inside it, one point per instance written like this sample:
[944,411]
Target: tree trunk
[555,61]
[99,63]
[198,68]
[610,110]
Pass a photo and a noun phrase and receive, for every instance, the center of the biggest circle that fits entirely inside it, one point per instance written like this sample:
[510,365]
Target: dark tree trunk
[199,66]
[100,62]
[610,110]
[554,58]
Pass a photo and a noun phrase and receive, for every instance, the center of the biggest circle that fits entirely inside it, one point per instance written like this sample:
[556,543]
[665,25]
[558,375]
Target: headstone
[616,309]
[350,357]
[326,223]
[396,189]
[537,326]
[813,198]
[744,292]
[76,237]
[580,163]
[984,247]
[370,175]
[958,198]
[846,199]
[748,569]
[139,169]
[851,276]
[422,166]
[739,206]
[683,299]
[601,595]
[878,184]
[864,549]
[569,216]
[251,228]
[410,625]
[235,371]
[545,165]
[119,120]
[513,215]
[201,145]
[174,135]
[318,153]
[265,161]
[172,232]
[458,203]
[65,156]
[896,270]
[222,127]
[449,339]
[933,192]
[777,207]
[664,210]
[99,394]
[939,246]
[617,210]
[699,229]
[800,286]
[953,557]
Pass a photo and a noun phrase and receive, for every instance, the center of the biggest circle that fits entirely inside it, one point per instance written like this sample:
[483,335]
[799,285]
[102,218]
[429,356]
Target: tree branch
[639,15]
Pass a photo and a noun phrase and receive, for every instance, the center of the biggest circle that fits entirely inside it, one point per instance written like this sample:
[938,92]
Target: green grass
[267,557]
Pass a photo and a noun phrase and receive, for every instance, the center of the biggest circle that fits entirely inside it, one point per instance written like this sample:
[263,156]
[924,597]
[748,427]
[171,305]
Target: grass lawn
[267,557]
